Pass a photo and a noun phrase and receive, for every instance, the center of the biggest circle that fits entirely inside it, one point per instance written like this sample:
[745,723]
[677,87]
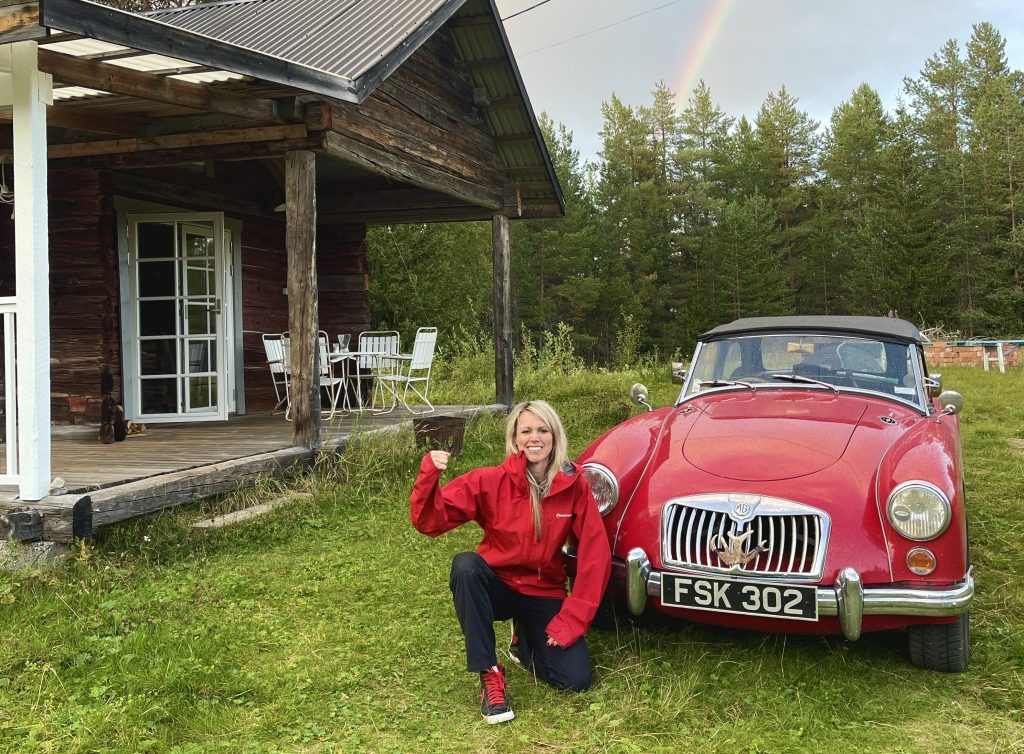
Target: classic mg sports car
[807,480]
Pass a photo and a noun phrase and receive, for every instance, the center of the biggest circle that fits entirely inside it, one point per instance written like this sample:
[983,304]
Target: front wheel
[944,647]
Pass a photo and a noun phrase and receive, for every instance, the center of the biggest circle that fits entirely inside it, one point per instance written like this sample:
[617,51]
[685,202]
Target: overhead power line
[594,31]
[524,10]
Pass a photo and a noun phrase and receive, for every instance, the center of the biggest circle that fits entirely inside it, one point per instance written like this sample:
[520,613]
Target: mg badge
[736,552]
[743,507]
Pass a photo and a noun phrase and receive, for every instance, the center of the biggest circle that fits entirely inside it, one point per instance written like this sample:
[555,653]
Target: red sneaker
[493,696]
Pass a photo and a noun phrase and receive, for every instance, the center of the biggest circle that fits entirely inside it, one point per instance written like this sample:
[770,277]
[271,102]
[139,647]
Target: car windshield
[832,361]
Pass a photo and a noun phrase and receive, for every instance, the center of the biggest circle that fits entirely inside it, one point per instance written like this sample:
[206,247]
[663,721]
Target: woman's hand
[440,459]
[553,643]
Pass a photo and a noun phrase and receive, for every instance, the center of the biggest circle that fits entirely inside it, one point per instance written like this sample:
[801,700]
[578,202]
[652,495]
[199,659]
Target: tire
[945,647]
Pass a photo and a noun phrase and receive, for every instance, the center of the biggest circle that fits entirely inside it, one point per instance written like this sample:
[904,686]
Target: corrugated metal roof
[341,37]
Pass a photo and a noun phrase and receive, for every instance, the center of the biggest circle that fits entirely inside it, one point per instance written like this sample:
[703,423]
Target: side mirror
[934,384]
[678,374]
[951,402]
[638,394]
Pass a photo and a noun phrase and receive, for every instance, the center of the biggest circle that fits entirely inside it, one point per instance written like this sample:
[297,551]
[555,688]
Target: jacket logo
[735,553]
[564,515]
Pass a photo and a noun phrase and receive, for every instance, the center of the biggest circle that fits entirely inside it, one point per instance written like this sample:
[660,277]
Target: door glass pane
[159,396]
[199,318]
[200,394]
[198,279]
[155,240]
[157,318]
[198,356]
[198,245]
[156,278]
[157,356]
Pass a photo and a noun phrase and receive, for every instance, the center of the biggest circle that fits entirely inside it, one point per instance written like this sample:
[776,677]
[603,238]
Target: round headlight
[918,510]
[603,485]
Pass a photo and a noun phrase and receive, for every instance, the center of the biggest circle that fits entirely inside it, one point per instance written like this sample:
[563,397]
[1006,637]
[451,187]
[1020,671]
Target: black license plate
[743,597]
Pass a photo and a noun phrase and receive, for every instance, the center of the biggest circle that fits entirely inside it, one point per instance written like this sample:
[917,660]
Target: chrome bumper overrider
[848,599]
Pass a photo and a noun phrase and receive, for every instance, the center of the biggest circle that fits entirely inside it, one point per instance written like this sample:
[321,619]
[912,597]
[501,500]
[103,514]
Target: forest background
[690,217]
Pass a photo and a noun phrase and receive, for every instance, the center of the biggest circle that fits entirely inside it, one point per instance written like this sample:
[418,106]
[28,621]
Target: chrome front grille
[777,538]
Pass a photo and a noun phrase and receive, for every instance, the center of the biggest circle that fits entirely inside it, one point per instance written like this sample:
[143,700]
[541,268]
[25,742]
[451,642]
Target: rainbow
[710,25]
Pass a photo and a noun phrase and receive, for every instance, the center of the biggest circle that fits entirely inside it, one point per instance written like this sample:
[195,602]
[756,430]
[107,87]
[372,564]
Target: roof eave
[366,83]
[529,109]
[89,19]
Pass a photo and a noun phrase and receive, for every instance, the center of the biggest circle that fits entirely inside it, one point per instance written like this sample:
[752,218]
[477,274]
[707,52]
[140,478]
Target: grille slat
[795,537]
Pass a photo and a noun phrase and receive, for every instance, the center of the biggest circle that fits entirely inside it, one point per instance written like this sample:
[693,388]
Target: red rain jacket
[498,499]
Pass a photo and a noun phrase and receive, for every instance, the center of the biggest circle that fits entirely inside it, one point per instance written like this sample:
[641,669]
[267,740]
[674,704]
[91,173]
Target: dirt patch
[1018,443]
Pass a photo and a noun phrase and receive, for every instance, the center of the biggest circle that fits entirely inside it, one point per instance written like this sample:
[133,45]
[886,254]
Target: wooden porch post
[501,289]
[303,310]
[29,92]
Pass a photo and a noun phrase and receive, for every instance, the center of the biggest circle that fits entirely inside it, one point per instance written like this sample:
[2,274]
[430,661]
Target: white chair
[377,349]
[333,383]
[413,370]
[278,367]
[329,381]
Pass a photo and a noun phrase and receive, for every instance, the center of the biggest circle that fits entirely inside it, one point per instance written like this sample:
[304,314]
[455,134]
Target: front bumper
[848,599]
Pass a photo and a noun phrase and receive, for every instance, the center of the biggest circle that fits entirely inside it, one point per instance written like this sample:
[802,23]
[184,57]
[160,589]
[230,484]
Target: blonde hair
[559,451]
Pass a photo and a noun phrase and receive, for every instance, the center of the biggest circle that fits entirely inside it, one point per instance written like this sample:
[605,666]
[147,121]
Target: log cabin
[184,180]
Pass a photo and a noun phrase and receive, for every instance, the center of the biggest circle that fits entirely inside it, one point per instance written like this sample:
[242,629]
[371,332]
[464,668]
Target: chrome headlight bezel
[933,495]
[600,476]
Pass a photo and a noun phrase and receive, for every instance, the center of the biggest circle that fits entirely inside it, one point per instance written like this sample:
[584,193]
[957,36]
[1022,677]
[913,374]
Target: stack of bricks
[940,354]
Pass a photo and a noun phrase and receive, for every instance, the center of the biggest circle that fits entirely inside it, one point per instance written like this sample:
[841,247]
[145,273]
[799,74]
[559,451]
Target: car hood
[770,435]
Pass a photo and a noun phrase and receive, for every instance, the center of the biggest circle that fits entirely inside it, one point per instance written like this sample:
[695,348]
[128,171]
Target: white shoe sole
[501,717]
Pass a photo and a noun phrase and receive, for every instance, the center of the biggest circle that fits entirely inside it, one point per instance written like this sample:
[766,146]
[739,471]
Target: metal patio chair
[375,356]
[412,372]
[278,367]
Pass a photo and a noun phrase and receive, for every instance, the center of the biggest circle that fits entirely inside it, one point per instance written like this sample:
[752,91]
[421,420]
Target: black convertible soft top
[888,328]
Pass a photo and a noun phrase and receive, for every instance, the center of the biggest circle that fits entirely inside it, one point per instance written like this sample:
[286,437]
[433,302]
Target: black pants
[482,598]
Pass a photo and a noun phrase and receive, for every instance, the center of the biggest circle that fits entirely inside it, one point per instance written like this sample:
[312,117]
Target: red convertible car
[808,480]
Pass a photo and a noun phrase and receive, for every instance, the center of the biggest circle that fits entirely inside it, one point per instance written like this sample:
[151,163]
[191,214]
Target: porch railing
[8,308]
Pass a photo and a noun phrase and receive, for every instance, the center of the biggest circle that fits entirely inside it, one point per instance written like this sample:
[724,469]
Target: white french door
[176,277]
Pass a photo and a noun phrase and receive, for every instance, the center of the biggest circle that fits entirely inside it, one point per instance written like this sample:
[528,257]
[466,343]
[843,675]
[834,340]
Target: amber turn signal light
[921,561]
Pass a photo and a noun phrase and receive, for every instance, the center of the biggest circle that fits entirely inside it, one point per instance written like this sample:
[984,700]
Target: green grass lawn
[327,627]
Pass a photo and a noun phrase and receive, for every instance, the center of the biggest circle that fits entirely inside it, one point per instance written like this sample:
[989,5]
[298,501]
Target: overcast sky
[821,50]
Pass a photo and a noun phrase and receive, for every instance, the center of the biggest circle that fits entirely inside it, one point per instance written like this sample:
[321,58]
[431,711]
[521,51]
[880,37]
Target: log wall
[84,291]
[85,322]
[342,278]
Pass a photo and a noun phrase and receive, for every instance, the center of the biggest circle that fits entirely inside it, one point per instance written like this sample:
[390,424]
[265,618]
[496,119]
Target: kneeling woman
[527,507]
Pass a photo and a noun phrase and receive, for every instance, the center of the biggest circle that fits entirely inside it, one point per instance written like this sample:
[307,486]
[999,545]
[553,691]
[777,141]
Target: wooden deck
[172,464]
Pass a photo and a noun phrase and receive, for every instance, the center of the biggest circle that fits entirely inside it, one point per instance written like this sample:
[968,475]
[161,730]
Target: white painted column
[30,92]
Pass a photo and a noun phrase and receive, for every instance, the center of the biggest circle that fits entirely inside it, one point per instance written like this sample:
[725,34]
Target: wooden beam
[84,119]
[177,141]
[303,312]
[382,162]
[175,192]
[74,71]
[259,150]
[501,289]
[64,518]
[389,200]
[20,21]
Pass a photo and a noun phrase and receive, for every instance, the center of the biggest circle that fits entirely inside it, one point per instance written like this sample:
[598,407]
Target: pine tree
[703,163]
[787,142]
[750,279]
